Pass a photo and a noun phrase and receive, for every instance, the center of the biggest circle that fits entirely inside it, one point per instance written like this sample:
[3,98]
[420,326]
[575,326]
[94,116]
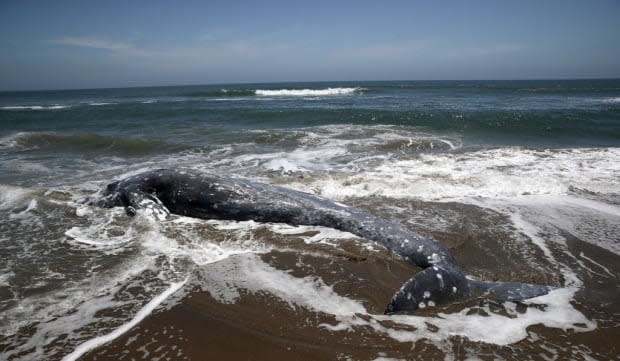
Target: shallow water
[520,180]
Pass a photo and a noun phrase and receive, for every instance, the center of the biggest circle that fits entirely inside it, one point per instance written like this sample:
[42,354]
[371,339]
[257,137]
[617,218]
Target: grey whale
[192,193]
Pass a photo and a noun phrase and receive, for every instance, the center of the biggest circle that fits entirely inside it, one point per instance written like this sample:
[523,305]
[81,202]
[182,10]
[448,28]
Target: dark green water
[546,113]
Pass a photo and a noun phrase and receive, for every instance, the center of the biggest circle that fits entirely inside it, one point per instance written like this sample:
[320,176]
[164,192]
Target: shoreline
[261,326]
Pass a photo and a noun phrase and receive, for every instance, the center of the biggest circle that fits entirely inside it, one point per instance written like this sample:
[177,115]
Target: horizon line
[181,84]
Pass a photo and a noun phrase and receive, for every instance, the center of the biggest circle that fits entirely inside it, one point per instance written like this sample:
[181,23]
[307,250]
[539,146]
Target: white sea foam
[498,173]
[197,249]
[591,221]
[26,213]
[100,103]
[248,272]
[227,99]
[301,159]
[582,255]
[5,277]
[11,140]
[71,311]
[11,196]
[35,107]
[98,236]
[253,275]
[338,148]
[495,328]
[323,235]
[142,314]
[308,92]
[64,312]
[241,269]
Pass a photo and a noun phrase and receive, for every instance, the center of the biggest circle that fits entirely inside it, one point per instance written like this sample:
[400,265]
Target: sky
[98,44]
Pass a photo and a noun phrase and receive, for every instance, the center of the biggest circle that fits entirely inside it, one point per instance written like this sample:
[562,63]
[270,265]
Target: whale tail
[507,291]
[439,285]
[433,286]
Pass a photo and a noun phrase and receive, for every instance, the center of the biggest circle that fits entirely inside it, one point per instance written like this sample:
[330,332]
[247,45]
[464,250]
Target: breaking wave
[35,107]
[308,92]
[86,142]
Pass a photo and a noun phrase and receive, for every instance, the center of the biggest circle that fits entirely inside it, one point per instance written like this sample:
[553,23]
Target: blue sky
[86,44]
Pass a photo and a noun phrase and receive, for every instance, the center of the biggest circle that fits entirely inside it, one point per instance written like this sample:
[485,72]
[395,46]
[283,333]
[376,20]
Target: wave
[226,93]
[505,173]
[220,93]
[35,107]
[87,142]
[308,92]
[101,103]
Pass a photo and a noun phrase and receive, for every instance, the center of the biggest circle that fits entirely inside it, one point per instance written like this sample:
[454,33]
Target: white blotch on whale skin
[440,278]
[427,294]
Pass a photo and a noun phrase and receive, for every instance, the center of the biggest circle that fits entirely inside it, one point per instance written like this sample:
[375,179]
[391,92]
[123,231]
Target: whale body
[192,193]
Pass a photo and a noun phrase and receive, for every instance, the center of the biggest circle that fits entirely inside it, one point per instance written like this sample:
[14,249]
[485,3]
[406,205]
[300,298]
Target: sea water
[535,162]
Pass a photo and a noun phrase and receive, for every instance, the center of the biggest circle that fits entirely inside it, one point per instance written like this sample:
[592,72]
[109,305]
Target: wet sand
[260,326]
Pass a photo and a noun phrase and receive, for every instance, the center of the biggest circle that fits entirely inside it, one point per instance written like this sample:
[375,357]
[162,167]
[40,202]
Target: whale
[193,193]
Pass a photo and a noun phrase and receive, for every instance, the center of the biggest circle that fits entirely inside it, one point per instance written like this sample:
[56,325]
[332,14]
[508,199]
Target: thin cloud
[94,43]
[117,47]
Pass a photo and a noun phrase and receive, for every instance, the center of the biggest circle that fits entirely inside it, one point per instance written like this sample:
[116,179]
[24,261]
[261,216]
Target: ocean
[520,180]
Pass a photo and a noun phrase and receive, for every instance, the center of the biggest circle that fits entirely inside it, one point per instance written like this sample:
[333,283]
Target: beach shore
[261,326]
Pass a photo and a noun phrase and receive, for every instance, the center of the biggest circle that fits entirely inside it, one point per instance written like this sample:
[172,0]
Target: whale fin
[433,286]
[508,291]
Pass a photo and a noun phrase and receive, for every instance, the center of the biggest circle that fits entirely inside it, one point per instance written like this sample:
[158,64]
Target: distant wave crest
[220,93]
[308,92]
[34,107]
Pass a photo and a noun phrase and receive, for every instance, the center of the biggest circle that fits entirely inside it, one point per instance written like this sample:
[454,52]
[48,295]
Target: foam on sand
[251,274]
[141,315]
[495,328]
